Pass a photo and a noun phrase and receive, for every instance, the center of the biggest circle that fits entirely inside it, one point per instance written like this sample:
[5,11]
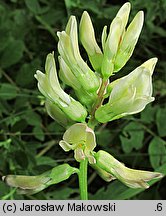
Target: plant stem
[92,122]
[83,184]
[83,179]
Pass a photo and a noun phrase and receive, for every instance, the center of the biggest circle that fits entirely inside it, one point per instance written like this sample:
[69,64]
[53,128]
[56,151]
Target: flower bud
[66,75]
[104,37]
[130,177]
[129,41]
[69,51]
[130,94]
[49,86]
[111,44]
[34,184]
[120,43]
[88,40]
[111,47]
[80,138]
[123,14]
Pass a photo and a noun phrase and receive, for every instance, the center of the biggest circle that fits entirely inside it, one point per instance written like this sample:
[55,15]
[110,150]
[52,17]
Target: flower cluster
[127,95]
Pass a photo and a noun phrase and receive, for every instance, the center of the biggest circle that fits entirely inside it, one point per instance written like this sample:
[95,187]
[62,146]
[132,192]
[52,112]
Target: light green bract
[80,138]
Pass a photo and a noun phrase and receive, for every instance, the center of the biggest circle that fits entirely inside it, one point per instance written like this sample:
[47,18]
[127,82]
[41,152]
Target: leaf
[148,114]
[7,91]
[113,190]
[18,125]
[34,6]
[12,53]
[38,133]
[157,152]
[132,137]
[33,118]
[104,137]
[4,189]
[160,118]
[21,158]
[6,144]
[45,160]
[25,77]
[5,39]
[72,3]
[60,194]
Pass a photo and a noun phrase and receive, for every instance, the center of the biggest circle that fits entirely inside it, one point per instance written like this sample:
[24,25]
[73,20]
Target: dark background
[29,137]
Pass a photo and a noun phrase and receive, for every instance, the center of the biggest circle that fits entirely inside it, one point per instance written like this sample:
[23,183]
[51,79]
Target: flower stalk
[83,179]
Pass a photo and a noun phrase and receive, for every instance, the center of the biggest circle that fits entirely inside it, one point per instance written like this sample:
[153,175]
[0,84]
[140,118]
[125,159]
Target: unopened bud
[88,40]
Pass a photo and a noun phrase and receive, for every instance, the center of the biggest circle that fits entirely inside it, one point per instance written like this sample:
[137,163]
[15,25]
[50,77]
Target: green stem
[83,185]
[91,123]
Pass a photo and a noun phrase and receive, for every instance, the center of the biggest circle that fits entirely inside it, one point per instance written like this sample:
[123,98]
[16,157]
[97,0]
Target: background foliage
[29,137]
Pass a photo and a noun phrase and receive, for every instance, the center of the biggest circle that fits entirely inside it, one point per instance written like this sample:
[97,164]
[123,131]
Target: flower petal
[130,177]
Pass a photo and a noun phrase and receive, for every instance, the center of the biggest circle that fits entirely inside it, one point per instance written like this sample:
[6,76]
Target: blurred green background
[29,137]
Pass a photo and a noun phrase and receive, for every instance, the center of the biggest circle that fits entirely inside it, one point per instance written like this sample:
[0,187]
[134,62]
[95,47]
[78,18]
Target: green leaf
[132,137]
[25,77]
[38,133]
[160,118]
[34,6]
[7,91]
[33,118]
[148,114]
[12,53]
[60,194]
[104,137]
[21,158]
[5,39]
[4,189]
[157,152]
[113,190]
[45,160]
[18,125]
[72,3]
[6,144]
